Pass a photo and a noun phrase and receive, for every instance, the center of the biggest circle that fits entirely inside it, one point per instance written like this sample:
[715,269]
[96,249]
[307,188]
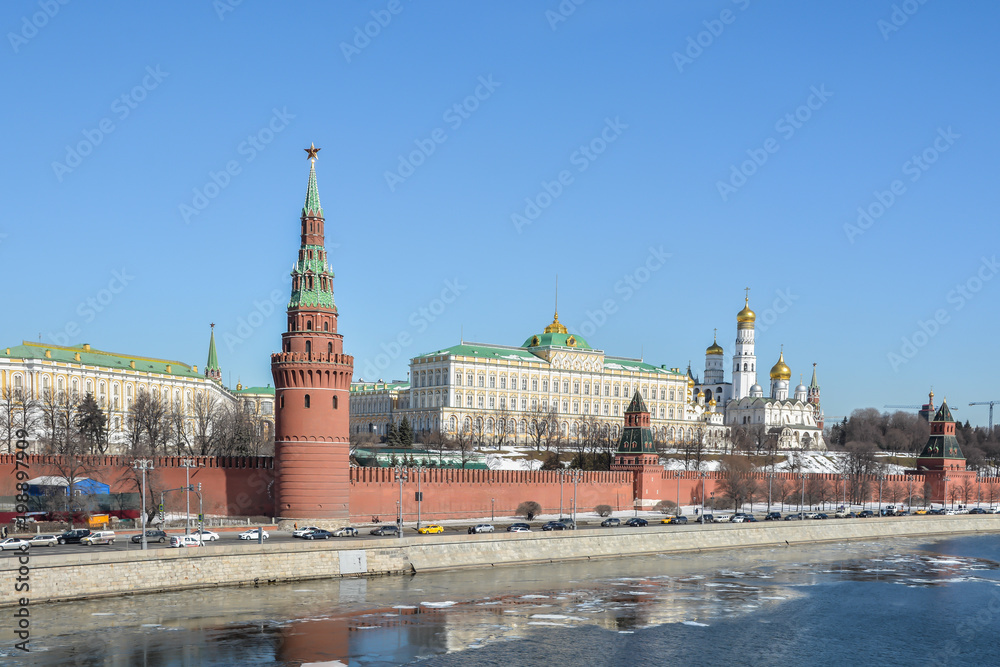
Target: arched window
[326,326]
[334,402]
[281,402]
[329,349]
[309,347]
[309,325]
[307,400]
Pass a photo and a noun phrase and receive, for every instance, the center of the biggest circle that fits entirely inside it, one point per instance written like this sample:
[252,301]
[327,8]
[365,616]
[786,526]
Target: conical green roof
[942,443]
[213,357]
[944,413]
[312,205]
[637,404]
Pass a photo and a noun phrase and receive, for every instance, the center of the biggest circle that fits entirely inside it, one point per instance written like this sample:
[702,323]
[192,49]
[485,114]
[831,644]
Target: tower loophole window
[334,402]
[307,400]
[309,325]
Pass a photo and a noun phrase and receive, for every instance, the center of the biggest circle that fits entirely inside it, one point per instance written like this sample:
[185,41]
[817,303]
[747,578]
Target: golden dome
[714,348]
[556,326]
[746,316]
[781,371]
[690,383]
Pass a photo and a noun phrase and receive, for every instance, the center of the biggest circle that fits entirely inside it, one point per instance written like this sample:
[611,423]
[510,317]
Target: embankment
[83,574]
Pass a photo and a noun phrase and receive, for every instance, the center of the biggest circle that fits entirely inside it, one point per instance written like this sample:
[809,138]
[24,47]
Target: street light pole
[188,464]
[677,474]
[844,479]
[770,478]
[944,500]
[143,465]
[401,476]
[576,478]
[492,512]
[562,475]
[802,497]
[881,478]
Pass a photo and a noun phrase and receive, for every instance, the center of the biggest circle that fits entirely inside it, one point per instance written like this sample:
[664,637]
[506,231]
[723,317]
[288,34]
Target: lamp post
[576,478]
[844,481]
[401,476]
[802,498]
[881,478]
[420,495]
[979,482]
[492,503]
[143,465]
[944,500]
[770,478]
[702,475]
[188,464]
[677,474]
[562,475]
[713,500]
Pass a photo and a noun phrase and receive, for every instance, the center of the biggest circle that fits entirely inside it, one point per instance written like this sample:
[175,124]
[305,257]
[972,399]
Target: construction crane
[989,403]
[914,407]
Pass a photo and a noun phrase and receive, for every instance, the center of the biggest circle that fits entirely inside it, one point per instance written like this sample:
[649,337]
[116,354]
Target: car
[44,541]
[318,534]
[793,517]
[885,511]
[809,515]
[179,541]
[977,510]
[705,518]
[14,544]
[301,532]
[346,531]
[430,529]
[481,528]
[749,518]
[73,536]
[921,512]
[722,518]
[516,528]
[555,525]
[842,513]
[613,522]
[637,522]
[738,519]
[253,533]
[951,512]
[99,537]
[773,516]
[820,515]
[388,529]
[151,536]
[937,511]
[569,523]
[206,535]
[678,520]
[993,510]
[866,514]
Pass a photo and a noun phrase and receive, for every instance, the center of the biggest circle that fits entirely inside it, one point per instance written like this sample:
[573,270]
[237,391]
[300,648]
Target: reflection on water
[395,620]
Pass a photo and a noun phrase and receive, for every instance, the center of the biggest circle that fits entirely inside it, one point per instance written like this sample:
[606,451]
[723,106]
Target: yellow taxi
[431,529]
[921,512]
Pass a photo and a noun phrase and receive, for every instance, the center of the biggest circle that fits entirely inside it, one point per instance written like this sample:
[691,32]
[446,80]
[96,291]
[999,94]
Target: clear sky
[658,157]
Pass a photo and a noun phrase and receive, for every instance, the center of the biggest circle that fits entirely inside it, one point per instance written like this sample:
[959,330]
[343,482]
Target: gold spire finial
[556,326]
[312,151]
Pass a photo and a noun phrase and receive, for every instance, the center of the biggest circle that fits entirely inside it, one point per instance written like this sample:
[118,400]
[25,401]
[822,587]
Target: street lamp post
[401,476]
[143,465]
[702,475]
[844,480]
[944,500]
[188,464]
[492,505]
[979,482]
[713,501]
[420,496]
[881,478]
[677,474]
[576,478]
[802,497]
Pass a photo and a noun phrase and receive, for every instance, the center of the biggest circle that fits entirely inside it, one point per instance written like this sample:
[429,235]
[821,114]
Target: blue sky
[676,153]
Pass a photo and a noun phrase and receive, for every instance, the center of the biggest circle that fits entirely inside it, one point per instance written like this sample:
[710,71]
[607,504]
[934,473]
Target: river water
[889,602]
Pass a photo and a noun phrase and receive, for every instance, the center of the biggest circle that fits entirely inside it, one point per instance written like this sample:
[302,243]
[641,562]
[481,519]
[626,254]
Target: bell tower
[312,379]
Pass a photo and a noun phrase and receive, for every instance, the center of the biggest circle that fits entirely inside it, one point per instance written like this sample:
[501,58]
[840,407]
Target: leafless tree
[463,441]
[736,482]
[204,410]
[538,426]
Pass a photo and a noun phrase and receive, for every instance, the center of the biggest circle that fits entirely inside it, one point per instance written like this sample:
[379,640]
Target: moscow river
[894,601]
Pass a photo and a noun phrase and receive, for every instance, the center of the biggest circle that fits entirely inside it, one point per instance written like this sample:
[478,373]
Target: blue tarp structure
[49,484]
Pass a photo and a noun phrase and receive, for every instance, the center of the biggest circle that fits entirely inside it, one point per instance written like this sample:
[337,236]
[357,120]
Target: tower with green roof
[312,380]
[637,454]
[212,370]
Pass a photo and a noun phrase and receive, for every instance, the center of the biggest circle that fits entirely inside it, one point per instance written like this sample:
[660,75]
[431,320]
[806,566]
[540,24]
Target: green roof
[486,351]
[635,365]
[312,205]
[213,357]
[557,340]
[374,386]
[637,404]
[92,357]
[256,390]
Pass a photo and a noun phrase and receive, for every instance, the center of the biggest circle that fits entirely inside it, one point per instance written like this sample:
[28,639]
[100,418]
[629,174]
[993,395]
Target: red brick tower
[941,462]
[312,380]
[637,454]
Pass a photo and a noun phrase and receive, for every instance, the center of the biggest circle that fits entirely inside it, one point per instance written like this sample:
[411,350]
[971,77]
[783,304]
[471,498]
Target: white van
[185,541]
[723,518]
[99,537]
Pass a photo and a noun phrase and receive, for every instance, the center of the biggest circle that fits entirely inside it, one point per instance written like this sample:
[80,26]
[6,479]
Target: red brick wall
[467,493]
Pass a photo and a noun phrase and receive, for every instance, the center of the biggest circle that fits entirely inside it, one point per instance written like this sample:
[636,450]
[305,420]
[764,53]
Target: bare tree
[463,441]
[204,409]
[538,426]
[736,482]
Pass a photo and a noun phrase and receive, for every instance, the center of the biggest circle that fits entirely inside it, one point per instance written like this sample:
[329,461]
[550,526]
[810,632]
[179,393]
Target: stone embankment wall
[100,574]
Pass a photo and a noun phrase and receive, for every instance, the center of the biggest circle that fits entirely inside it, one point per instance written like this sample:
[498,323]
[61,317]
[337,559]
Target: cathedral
[796,422]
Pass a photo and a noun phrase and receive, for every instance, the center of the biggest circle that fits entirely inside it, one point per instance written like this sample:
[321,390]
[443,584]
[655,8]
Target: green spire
[312,205]
[212,367]
[814,383]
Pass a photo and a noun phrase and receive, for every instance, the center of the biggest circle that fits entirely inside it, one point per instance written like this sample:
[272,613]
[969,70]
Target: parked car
[388,529]
[820,515]
[793,517]
[318,534]
[842,513]
[636,522]
[738,519]
[14,543]
[921,512]
[99,537]
[773,516]
[569,523]
[44,541]
[206,535]
[722,518]
[977,510]
[705,518]
[430,529]
[940,511]
[516,527]
[678,520]
[253,533]
[749,518]
[865,514]
[612,522]
[151,536]
[346,531]
[481,528]
[554,525]
[178,541]
[301,532]
[73,536]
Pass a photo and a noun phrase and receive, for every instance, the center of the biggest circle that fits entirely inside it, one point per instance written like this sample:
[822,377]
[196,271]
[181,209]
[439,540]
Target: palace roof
[88,356]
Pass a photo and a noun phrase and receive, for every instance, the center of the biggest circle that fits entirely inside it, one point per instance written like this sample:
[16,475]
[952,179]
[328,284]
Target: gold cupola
[556,326]
[746,317]
[781,371]
[714,348]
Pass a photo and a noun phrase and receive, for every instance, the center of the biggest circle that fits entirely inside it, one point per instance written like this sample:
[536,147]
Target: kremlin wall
[310,478]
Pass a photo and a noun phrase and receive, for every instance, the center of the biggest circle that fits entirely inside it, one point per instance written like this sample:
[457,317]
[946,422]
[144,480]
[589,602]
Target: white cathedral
[796,422]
